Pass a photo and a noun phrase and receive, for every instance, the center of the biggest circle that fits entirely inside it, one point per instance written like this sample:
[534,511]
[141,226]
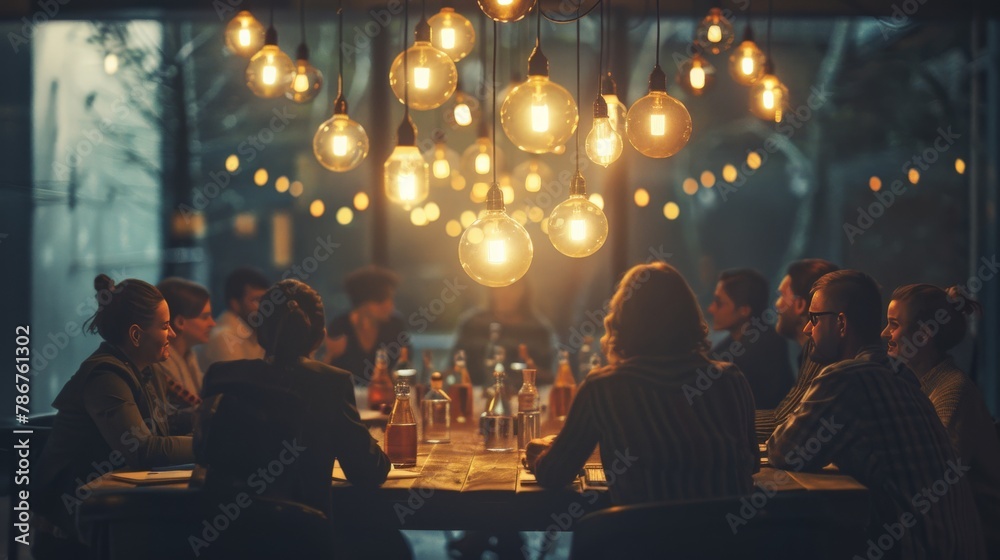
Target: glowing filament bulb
[533,182]
[441,168]
[768,99]
[714,33]
[339,145]
[482,164]
[448,38]
[697,77]
[301,83]
[504,2]
[269,74]
[421,77]
[244,37]
[407,186]
[463,114]
[746,66]
[577,229]
[658,125]
[539,117]
[496,251]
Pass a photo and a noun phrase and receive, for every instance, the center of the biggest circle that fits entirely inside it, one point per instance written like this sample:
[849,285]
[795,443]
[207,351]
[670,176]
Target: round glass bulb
[244,34]
[746,64]
[538,115]
[432,76]
[462,110]
[478,161]
[696,75]
[495,250]
[532,174]
[307,80]
[444,164]
[658,125]
[604,145]
[715,33]
[577,227]
[769,99]
[269,73]
[616,112]
[340,144]
[406,181]
[452,33]
[506,11]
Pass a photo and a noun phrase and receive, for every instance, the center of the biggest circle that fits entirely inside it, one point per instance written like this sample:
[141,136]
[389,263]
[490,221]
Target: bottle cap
[407,373]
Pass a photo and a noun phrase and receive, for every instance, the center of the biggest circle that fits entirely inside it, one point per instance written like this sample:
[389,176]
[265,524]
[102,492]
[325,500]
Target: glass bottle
[489,354]
[460,390]
[522,352]
[402,361]
[436,412]
[528,409]
[563,389]
[381,394]
[497,422]
[401,431]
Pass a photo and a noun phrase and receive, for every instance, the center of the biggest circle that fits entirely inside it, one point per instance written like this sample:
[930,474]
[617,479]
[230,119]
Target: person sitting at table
[662,434]
[353,338]
[191,319]
[761,354]
[923,324]
[875,425]
[291,407]
[511,308]
[111,414]
[235,337]
[792,306]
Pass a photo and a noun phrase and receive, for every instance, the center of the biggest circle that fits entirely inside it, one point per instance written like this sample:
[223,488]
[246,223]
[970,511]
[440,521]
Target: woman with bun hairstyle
[924,323]
[111,414]
[291,407]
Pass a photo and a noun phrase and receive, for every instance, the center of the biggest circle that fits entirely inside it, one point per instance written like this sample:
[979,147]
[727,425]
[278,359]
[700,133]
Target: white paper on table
[394,473]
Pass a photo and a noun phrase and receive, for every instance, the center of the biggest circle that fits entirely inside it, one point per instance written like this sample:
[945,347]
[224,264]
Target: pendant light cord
[600,58]
[340,53]
[770,16]
[657,32]
[271,22]
[302,20]
[578,84]
[493,119]
[406,66]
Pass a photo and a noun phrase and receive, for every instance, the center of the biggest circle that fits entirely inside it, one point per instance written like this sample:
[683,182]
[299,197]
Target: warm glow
[714,33]
[767,99]
[496,251]
[519,216]
[269,75]
[707,179]
[111,63]
[482,163]
[244,37]
[301,82]
[407,186]
[463,114]
[441,168]
[361,201]
[913,175]
[317,208]
[448,38]
[508,194]
[418,217]
[747,66]
[296,189]
[533,182]
[232,163]
[690,186]
[697,77]
[453,228]
[457,181]
[729,172]
[345,216]
[260,177]
[658,125]
[875,184]
[539,117]
[577,230]
[960,166]
[604,144]
[641,198]
[754,160]
[340,145]
[421,77]
[433,211]
[598,200]
[504,2]
[536,214]
[467,218]
[478,192]
[671,210]
[281,184]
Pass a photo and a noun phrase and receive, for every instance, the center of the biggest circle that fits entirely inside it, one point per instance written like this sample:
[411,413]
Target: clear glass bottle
[436,412]
[497,422]
[460,390]
[401,431]
[528,409]
[563,389]
[381,394]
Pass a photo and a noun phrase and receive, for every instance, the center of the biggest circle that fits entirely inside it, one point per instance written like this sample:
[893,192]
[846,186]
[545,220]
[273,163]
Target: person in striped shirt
[923,324]
[792,306]
[877,426]
[672,425]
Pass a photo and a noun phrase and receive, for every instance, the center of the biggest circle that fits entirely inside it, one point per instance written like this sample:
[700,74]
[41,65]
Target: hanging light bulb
[406,181]
[506,11]
[432,74]
[340,144]
[577,226]
[532,174]
[604,144]
[539,114]
[463,110]
[307,80]
[479,159]
[269,73]
[452,33]
[746,64]
[244,34]
[696,74]
[715,33]
[658,125]
[495,250]
[444,162]
[769,97]
[616,109]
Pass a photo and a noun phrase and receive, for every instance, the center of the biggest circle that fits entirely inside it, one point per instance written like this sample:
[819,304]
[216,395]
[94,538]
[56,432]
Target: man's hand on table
[534,450]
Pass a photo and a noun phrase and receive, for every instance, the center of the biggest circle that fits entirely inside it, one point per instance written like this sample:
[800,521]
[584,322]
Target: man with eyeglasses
[877,426]
[792,306]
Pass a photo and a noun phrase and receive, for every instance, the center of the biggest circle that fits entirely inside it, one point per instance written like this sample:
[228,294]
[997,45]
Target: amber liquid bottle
[563,390]
[381,394]
[401,431]
[460,391]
